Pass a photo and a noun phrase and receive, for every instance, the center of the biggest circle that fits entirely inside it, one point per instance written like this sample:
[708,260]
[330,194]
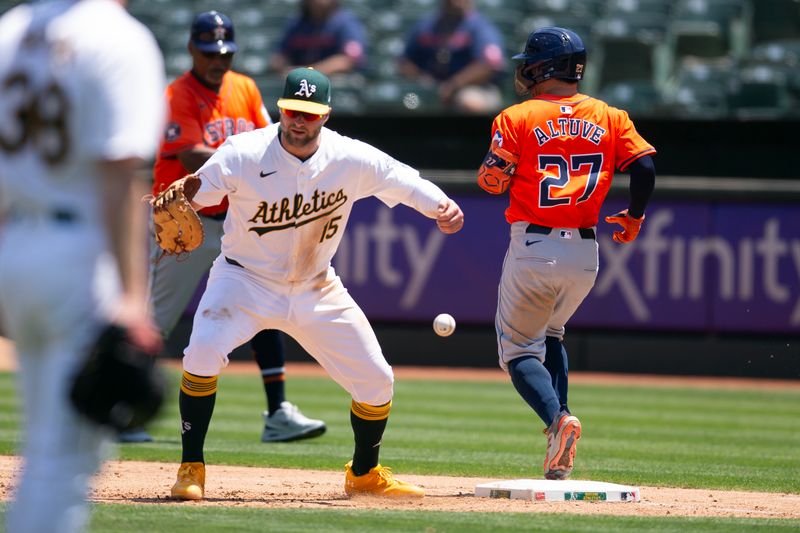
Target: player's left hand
[450,218]
[630,226]
[178,228]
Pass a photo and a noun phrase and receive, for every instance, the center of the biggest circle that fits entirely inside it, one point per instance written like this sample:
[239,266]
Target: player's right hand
[132,315]
[450,218]
[630,226]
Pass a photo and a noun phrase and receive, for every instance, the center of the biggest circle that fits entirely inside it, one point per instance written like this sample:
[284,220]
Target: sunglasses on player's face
[308,117]
[215,55]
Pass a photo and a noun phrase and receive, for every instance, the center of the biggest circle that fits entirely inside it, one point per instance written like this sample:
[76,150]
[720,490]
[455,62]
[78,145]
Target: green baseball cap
[306,90]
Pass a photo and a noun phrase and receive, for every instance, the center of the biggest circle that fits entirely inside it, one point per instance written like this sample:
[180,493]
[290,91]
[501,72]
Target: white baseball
[444,325]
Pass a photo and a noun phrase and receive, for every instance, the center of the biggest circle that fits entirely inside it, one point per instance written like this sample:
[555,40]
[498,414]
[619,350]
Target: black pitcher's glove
[119,385]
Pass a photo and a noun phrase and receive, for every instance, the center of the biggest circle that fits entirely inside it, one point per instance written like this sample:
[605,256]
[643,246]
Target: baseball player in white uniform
[81,106]
[198,102]
[291,188]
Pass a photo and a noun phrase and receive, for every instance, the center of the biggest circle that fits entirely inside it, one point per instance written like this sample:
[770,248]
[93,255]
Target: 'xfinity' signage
[373,252]
[696,266]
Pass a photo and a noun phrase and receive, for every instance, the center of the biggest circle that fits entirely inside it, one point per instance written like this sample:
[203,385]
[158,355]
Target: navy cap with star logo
[212,32]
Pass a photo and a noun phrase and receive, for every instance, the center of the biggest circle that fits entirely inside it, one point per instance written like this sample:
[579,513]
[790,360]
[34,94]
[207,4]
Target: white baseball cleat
[288,423]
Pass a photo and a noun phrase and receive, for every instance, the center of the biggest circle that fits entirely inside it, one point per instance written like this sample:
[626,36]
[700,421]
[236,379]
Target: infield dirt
[135,482]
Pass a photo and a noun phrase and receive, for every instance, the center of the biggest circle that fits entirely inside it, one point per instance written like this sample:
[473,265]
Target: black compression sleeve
[643,181]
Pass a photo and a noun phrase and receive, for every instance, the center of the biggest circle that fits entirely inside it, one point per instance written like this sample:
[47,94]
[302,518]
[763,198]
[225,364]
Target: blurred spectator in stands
[325,37]
[462,51]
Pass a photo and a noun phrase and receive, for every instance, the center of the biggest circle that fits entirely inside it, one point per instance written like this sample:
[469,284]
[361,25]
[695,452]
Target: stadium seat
[351,84]
[626,59]
[147,13]
[506,21]
[180,16]
[391,22]
[251,64]
[176,64]
[634,7]
[784,56]
[401,97]
[645,26]
[490,7]
[700,88]
[382,57]
[760,92]
[256,42]
[706,71]
[638,98]
[250,17]
[784,52]
[283,7]
[718,10]
[271,88]
[776,19]
[666,53]
[701,38]
[574,8]
[386,5]
[698,102]
[627,48]
[347,101]
[704,28]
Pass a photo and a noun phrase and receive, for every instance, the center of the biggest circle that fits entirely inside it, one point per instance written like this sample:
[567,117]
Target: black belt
[233,262]
[585,233]
[216,216]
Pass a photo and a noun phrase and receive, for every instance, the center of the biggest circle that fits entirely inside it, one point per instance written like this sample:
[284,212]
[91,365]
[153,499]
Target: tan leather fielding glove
[178,227]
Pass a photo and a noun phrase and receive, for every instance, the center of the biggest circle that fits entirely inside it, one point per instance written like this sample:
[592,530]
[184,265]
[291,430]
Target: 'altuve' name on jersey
[569,127]
[285,210]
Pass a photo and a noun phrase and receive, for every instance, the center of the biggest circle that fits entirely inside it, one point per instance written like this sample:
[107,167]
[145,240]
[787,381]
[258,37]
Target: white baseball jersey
[79,82]
[286,216]
[90,72]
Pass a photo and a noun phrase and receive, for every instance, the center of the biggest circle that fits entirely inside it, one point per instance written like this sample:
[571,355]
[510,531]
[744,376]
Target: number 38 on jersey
[38,118]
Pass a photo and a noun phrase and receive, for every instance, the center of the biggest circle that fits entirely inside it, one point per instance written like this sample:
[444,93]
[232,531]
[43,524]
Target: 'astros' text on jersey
[199,116]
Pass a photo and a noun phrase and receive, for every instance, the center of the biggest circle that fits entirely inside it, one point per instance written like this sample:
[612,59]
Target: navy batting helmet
[552,53]
[213,32]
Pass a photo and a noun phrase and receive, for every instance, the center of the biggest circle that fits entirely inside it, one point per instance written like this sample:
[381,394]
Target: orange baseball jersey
[568,148]
[199,116]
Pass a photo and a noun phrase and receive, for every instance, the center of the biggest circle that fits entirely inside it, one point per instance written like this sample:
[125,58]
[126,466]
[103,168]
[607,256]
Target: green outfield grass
[699,438]
[179,519]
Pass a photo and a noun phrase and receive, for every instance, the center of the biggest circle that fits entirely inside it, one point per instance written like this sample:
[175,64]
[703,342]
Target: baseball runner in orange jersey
[556,155]
[207,105]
